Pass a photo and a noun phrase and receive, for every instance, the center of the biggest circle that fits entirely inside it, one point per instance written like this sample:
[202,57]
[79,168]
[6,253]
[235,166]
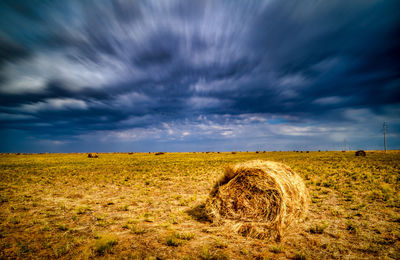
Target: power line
[384,135]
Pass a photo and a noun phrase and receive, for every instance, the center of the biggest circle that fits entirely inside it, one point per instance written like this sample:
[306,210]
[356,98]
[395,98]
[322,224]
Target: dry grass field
[147,206]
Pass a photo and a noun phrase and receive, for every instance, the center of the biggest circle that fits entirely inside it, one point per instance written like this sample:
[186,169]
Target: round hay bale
[361,153]
[259,199]
[93,155]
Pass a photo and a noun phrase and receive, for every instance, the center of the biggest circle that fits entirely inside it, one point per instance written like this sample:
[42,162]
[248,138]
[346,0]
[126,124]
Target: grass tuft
[172,241]
[317,229]
[104,244]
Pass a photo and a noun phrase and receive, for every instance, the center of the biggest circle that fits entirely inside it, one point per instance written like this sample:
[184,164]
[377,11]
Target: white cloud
[203,87]
[332,100]
[360,115]
[293,80]
[136,120]
[204,102]
[54,104]
[131,100]
[32,75]
[24,84]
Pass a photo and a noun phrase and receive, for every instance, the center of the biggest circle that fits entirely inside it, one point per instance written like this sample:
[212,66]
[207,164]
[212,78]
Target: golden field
[147,206]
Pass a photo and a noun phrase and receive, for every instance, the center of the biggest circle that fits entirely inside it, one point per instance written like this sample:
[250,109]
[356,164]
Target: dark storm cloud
[11,51]
[71,68]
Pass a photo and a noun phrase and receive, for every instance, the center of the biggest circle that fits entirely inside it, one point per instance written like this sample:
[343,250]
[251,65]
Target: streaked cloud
[54,104]
[207,73]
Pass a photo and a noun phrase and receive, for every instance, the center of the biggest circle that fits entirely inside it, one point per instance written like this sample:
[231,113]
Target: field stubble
[146,206]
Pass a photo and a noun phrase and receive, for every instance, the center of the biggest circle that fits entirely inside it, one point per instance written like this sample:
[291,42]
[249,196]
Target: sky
[177,76]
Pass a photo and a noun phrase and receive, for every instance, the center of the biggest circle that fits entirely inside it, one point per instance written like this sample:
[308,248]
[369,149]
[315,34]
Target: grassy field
[143,206]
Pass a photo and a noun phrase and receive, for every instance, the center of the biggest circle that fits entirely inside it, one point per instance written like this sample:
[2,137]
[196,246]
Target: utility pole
[384,135]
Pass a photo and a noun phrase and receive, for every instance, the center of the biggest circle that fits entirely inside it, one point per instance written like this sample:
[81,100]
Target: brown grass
[66,206]
[258,198]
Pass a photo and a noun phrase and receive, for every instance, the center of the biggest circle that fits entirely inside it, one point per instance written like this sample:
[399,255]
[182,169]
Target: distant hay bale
[259,198]
[93,155]
[159,153]
[361,153]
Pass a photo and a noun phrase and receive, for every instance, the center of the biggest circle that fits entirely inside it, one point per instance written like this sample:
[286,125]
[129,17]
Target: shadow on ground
[199,213]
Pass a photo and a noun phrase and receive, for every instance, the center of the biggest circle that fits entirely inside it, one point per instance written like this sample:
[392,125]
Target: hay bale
[93,155]
[259,199]
[159,153]
[361,153]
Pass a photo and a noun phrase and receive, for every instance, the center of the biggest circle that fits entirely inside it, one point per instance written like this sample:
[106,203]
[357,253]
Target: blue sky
[80,76]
